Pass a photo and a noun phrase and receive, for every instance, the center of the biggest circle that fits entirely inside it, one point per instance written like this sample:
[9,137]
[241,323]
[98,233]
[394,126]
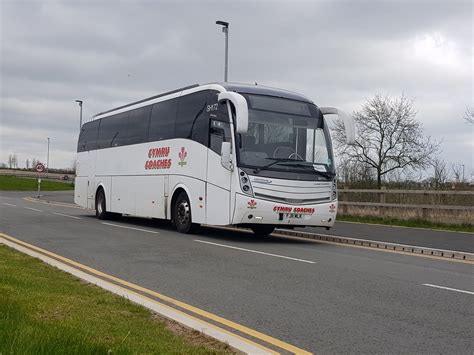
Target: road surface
[438,239]
[320,297]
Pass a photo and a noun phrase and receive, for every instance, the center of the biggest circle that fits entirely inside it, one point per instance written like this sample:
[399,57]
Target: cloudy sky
[339,53]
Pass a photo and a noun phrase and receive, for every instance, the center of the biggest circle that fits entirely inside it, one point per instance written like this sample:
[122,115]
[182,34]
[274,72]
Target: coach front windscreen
[285,137]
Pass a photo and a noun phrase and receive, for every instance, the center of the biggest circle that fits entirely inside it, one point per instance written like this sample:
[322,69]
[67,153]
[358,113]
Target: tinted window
[192,116]
[113,131]
[138,121]
[88,136]
[162,121]
[217,111]
[219,132]
[276,104]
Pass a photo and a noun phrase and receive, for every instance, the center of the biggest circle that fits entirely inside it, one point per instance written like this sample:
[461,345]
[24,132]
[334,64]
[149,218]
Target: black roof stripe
[240,88]
[149,98]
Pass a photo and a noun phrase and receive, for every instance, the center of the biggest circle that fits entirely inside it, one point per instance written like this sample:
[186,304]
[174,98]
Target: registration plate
[294,215]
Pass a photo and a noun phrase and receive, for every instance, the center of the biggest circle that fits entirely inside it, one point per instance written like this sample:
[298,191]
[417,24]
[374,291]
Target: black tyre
[262,230]
[182,218]
[100,206]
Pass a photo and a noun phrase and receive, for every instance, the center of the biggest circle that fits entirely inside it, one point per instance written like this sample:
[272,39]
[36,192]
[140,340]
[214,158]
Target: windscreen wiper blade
[320,173]
[276,161]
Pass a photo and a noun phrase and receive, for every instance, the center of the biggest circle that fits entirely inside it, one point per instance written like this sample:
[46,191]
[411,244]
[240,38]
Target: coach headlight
[245,183]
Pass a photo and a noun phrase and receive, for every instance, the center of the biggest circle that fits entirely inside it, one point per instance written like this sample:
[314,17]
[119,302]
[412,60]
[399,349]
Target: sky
[338,53]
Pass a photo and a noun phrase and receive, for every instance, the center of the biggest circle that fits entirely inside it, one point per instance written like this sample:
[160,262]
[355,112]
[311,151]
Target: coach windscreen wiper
[327,175]
[276,161]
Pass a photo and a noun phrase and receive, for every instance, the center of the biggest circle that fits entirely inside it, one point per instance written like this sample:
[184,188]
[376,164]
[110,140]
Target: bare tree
[27,163]
[469,115]
[457,170]
[10,160]
[440,173]
[389,137]
[352,173]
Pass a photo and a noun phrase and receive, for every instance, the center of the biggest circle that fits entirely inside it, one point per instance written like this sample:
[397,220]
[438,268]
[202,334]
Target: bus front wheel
[182,213]
[262,230]
[101,207]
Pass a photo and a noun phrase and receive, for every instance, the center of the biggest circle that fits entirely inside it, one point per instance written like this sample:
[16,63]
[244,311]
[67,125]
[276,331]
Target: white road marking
[255,251]
[135,229]
[449,289]
[8,204]
[65,215]
[33,209]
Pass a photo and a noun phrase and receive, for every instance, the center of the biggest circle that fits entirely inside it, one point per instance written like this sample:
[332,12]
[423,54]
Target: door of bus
[218,182]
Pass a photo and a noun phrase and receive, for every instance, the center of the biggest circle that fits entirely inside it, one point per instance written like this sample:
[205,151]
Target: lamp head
[223,23]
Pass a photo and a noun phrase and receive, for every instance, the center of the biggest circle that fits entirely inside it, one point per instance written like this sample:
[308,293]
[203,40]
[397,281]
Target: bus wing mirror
[347,119]
[226,155]
[241,109]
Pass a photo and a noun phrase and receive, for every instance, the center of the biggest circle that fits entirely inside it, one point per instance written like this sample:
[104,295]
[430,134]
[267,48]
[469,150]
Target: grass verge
[408,223]
[46,311]
[15,183]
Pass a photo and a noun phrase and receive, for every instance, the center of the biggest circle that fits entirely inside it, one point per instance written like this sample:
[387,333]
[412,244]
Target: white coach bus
[218,154]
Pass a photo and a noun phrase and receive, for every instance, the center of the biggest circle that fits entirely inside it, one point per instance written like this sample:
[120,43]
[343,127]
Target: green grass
[46,311]
[408,223]
[14,183]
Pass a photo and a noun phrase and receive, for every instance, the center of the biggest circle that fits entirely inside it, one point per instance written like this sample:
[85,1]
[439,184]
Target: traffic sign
[39,167]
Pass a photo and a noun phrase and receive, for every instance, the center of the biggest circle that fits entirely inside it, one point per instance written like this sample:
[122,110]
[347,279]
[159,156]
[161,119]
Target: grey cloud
[336,52]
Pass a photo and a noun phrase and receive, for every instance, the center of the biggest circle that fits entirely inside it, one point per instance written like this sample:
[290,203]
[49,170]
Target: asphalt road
[411,236]
[320,297]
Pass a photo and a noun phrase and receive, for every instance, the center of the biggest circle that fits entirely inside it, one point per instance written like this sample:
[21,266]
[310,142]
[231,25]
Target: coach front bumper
[249,210]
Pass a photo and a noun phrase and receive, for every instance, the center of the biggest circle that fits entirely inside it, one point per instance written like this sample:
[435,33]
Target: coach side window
[192,121]
[219,130]
[88,136]
[112,131]
[137,131]
[163,116]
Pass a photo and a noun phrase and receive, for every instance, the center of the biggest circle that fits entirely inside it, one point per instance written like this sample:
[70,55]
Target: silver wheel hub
[183,213]
[99,204]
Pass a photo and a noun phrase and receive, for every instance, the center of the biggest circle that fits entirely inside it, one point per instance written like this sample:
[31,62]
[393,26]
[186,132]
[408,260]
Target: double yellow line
[131,286]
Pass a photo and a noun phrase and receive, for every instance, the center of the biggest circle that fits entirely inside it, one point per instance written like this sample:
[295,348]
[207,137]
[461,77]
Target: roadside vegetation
[14,183]
[408,223]
[46,311]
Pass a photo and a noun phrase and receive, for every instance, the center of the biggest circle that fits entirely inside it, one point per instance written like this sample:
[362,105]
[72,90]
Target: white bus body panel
[277,201]
[84,171]
[131,188]
[218,191]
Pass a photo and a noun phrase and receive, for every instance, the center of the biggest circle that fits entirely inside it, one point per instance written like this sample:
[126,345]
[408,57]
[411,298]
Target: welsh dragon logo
[182,156]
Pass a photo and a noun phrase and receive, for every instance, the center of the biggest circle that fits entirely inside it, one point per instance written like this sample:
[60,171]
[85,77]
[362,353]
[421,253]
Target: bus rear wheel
[262,230]
[182,213]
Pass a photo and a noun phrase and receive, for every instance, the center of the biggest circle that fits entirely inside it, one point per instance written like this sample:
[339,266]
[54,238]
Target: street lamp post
[47,161]
[80,114]
[463,173]
[225,29]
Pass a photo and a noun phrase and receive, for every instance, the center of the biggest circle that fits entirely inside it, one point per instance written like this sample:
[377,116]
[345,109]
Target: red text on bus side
[158,164]
[299,210]
[158,152]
